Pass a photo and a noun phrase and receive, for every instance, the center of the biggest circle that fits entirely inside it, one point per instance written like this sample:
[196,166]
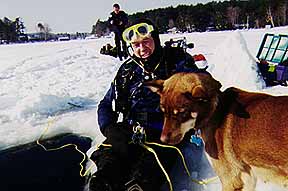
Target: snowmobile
[181,42]
[108,49]
[273,59]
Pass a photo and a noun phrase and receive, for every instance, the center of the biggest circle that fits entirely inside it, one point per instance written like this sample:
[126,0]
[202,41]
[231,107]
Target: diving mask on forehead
[139,30]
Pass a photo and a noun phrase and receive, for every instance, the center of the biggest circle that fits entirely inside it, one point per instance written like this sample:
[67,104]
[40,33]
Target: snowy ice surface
[59,84]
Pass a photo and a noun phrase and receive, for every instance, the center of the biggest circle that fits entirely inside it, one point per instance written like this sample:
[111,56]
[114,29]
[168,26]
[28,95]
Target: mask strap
[130,50]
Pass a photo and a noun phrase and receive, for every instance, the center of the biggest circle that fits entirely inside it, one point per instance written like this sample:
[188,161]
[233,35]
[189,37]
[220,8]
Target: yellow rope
[205,181]
[201,182]
[105,145]
[161,166]
[63,146]
[178,150]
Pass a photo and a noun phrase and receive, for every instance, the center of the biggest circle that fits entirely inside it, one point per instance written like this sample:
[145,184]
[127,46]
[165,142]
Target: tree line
[227,15]
[214,15]
[11,30]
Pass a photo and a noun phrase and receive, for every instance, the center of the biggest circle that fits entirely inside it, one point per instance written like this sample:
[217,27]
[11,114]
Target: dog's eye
[175,111]
[181,110]
[182,116]
[204,99]
[189,96]
[178,111]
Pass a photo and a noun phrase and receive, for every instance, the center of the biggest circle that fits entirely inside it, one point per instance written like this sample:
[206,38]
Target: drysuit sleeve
[111,19]
[106,115]
[125,19]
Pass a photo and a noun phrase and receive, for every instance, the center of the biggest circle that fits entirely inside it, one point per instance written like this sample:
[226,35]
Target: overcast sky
[76,16]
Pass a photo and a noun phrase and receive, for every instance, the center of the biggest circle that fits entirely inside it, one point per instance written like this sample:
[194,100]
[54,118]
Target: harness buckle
[139,135]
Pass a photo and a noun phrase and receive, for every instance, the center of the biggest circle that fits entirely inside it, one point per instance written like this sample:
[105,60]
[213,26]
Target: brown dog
[245,134]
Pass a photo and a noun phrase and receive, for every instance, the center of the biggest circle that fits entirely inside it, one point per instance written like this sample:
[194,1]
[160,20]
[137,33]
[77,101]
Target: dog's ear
[217,84]
[209,82]
[155,85]
[231,96]
[199,92]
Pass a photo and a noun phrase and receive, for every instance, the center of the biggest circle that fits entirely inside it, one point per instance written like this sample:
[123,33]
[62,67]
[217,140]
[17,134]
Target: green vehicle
[273,59]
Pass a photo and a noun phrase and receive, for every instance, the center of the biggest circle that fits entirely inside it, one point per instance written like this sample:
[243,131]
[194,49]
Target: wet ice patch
[51,105]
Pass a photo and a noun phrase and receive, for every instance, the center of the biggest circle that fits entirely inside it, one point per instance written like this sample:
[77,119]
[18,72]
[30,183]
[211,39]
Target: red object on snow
[198,57]
[200,61]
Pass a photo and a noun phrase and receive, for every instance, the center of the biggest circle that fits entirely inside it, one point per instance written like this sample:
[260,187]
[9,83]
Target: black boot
[133,185]
[110,174]
[147,172]
[99,184]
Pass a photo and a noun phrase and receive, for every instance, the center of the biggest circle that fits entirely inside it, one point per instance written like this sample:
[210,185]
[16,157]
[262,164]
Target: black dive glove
[119,136]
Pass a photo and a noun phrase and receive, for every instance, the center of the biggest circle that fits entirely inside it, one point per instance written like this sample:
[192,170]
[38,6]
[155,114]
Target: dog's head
[186,99]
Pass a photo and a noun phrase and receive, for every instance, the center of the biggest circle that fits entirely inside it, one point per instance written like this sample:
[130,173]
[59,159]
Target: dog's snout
[163,139]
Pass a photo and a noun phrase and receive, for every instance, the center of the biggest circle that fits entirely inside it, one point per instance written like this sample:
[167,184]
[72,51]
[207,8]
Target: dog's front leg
[232,177]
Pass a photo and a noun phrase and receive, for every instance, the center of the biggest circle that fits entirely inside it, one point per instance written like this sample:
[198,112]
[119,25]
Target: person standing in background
[118,20]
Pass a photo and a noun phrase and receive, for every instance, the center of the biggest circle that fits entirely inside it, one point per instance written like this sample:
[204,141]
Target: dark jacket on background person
[118,21]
